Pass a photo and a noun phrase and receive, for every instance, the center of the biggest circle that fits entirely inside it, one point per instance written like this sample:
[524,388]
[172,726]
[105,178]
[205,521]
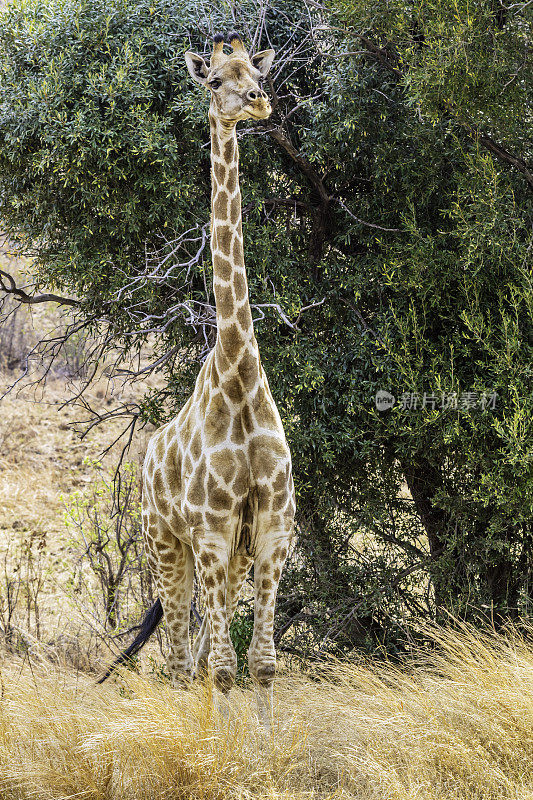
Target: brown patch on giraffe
[224,464]
[235,209]
[241,484]
[186,428]
[221,597]
[220,500]
[187,466]
[276,574]
[239,284]
[279,483]
[233,389]
[160,492]
[237,252]
[222,361]
[203,400]
[171,457]
[247,420]
[265,497]
[231,180]
[232,342]
[215,146]
[222,268]
[237,433]
[241,458]
[266,583]
[224,235]
[173,472]
[168,557]
[160,448]
[248,369]
[244,317]
[220,574]
[216,523]
[279,502]
[196,489]
[177,523]
[167,538]
[215,377]
[196,446]
[209,582]
[221,210]
[220,173]
[229,151]
[224,301]
[265,452]
[206,558]
[217,420]
[264,414]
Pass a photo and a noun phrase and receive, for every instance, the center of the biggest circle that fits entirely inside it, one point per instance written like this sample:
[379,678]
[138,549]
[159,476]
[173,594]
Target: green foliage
[241,629]
[408,227]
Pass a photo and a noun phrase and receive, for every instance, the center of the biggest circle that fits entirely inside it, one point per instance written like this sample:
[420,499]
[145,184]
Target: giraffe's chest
[228,451]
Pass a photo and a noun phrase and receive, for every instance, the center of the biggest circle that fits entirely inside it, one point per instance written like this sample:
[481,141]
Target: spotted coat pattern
[218,493]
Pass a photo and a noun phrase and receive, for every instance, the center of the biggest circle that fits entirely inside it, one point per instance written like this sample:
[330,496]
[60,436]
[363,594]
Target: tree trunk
[423,480]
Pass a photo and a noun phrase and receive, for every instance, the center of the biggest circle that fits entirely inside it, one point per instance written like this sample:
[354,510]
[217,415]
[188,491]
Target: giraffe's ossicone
[218,493]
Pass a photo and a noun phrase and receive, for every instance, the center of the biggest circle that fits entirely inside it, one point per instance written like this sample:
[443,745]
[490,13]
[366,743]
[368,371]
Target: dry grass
[458,726]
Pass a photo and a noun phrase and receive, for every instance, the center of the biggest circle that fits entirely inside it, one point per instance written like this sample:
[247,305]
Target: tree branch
[24,297]
[310,173]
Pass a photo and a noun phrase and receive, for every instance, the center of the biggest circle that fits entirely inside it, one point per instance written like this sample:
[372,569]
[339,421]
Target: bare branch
[364,222]
[12,289]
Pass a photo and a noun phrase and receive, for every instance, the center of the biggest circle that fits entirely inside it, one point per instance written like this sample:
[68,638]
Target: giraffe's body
[217,484]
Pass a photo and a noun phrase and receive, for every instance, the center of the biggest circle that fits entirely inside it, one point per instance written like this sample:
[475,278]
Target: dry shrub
[458,725]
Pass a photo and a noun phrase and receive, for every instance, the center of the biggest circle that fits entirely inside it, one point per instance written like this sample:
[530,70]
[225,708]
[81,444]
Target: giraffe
[218,493]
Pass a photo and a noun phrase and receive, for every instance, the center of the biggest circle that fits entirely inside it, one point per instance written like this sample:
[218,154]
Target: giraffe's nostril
[252,95]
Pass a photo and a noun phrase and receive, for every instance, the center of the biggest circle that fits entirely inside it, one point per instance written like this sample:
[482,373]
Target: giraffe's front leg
[239,566]
[211,554]
[269,561]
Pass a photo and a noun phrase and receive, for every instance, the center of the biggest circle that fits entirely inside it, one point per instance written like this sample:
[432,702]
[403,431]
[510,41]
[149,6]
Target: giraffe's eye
[215,84]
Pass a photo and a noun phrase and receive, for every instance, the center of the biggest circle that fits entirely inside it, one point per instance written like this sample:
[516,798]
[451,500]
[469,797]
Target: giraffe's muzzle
[259,108]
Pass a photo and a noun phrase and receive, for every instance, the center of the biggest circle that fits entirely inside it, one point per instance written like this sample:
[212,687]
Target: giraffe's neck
[235,331]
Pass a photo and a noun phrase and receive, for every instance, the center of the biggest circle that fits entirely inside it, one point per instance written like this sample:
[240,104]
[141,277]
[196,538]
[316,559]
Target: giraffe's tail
[148,625]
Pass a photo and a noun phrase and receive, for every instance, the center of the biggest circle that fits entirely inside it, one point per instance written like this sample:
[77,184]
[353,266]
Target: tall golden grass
[458,724]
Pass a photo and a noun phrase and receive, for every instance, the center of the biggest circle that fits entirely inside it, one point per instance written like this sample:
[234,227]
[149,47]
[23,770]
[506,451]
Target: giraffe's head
[233,80]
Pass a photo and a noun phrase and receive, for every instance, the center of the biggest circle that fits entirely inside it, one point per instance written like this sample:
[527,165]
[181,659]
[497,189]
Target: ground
[458,727]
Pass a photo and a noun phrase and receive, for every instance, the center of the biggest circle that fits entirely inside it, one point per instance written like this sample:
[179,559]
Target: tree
[386,212]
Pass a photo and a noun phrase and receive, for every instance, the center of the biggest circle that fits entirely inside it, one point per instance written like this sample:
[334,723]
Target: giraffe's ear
[263,61]
[197,67]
